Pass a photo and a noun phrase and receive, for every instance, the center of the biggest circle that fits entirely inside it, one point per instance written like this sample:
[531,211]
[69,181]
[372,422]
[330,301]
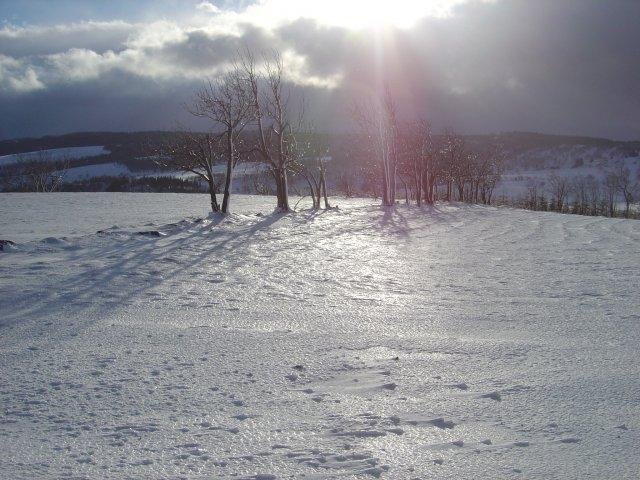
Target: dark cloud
[201,50]
[557,66]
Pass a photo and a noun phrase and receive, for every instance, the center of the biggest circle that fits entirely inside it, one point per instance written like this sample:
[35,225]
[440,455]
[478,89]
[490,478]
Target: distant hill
[122,160]
[515,142]
[113,141]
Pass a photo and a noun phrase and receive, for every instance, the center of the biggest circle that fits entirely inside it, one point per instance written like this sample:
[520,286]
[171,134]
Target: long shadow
[395,221]
[91,292]
[97,291]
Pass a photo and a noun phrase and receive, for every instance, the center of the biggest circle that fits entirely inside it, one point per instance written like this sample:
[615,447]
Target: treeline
[136,184]
[611,196]
[404,161]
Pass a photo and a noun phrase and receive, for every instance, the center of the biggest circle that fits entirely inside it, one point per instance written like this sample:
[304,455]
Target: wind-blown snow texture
[452,342]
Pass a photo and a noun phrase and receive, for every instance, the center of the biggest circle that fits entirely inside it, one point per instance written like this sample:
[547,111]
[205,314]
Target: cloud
[208,7]
[566,66]
[17,77]
[43,40]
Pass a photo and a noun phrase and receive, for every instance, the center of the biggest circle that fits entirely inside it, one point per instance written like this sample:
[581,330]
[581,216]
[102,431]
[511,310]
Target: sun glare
[353,14]
[363,14]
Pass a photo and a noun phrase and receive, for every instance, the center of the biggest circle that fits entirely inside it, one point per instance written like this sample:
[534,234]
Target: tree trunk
[282,190]
[229,176]
[316,201]
[418,187]
[385,185]
[214,201]
[431,190]
[323,186]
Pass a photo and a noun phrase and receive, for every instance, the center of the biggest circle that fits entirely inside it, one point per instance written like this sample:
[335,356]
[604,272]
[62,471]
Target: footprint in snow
[442,424]
[570,440]
[493,396]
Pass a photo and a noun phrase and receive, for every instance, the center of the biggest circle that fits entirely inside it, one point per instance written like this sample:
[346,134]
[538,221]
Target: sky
[478,66]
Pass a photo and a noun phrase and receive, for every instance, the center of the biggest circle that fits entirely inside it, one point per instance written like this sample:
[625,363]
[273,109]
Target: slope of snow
[112,169]
[455,342]
[55,154]
[515,184]
[568,156]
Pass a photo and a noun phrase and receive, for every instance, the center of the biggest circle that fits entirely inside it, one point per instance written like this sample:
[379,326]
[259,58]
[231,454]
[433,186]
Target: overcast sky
[553,66]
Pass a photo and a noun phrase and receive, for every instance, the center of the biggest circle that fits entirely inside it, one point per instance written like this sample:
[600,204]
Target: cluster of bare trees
[405,153]
[586,195]
[251,112]
[35,172]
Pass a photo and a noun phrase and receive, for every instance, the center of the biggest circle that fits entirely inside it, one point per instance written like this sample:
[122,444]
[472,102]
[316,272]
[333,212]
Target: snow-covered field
[112,169]
[35,216]
[55,154]
[456,342]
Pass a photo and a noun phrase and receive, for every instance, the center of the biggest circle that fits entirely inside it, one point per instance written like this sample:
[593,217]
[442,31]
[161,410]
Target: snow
[559,162]
[55,154]
[449,342]
[33,216]
[112,169]
[245,168]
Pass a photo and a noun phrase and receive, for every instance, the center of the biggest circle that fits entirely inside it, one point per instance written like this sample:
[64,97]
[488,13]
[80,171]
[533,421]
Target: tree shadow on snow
[152,260]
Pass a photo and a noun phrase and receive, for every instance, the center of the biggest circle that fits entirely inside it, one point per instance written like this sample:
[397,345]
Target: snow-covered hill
[535,167]
[112,169]
[454,342]
[54,154]
[566,157]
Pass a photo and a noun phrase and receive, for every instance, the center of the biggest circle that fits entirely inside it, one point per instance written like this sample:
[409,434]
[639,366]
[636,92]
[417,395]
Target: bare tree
[627,186]
[311,164]
[346,184]
[43,173]
[455,161]
[416,160]
[377,119]
[430,169]
[271,113]
[532,201]
[227,102]
[9,177]
[195,153]
[610,187]
[559,190]
[593,195]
